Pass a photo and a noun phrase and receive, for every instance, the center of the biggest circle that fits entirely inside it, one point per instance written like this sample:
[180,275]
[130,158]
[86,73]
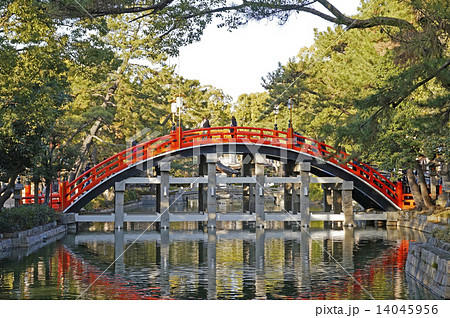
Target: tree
[381,94]
[31,99]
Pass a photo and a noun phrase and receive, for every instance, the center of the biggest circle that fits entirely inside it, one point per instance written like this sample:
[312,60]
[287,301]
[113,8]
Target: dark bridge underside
[363,193]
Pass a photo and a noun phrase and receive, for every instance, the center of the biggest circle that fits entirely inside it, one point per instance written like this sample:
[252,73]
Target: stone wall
[418,221]
[429,263]
[28,238]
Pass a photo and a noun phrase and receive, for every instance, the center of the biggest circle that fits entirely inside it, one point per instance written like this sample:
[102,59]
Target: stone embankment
[31,237]
[428,263]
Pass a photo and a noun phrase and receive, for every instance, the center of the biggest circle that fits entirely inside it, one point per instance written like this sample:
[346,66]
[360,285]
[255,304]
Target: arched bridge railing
[179,139]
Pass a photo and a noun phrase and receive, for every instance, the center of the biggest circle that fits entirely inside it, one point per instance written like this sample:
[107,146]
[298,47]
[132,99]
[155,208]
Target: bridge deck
[231,216]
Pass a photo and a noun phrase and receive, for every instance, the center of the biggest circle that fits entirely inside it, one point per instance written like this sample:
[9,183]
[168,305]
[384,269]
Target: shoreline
[427,263]
[32,237]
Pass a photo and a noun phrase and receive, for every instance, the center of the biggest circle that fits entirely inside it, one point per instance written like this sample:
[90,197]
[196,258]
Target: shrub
[26,217]
[442,234]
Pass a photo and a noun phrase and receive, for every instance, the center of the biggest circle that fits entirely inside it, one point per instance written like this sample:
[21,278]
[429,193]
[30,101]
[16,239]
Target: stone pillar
[347,249]
[337,200]
[288,171]
[119,263]
[164,168]
[158,191]
[260,282]
[392,219]
[347,203]
[296,191]
[211,160]
[119,191]
[305,272]
[259,191]
[212,287]
[164,257]
[247,188]
[433,182]
[202,188]
[327,198]
[17,194]
[248,259]
[305,168]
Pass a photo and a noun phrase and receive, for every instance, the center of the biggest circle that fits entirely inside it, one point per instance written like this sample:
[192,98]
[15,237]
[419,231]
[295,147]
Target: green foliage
[32,100]
[379,93]
[26,217]
[315,192]
[442,234]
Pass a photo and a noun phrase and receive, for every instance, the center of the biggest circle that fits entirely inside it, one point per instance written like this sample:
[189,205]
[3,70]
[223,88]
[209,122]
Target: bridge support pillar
[211,159]
[305,216]
[119,263]
[327,198]
[211,254]
[119,194]
[157,173]
[260,282]
[259,191]
[164,202]
[337,203]
[305,270]
[337,200]
[247,188]
[164,264]
[202,189]
[296,191]
[347,249]
[347,203]
[288,171]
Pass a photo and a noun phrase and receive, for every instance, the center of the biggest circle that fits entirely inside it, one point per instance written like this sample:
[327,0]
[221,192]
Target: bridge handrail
[225,134]
[354,166]
[101,171]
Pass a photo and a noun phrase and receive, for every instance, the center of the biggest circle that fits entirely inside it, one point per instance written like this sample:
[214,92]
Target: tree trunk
[93,132]
[415,191]
[36,192]
[47,191]
[9,190]
[423,186]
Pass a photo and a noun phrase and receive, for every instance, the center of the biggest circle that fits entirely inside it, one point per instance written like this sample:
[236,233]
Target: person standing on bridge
[86,169]
[133,145]
[205,124]
[233,124]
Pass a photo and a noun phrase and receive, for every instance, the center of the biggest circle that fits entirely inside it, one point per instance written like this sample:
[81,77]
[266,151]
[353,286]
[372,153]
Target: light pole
[290,107]
[179,102]
[176,107]
[173,109]
[275,111]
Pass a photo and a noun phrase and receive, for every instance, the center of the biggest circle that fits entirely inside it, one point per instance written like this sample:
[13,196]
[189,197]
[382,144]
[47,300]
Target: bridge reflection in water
[218,264]
[237,264]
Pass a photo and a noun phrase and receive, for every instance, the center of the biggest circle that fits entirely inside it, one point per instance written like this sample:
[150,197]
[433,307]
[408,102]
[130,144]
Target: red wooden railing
[54,199]
[178,139]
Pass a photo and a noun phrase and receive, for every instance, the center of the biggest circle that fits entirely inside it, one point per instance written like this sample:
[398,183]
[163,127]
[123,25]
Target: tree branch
[111,11]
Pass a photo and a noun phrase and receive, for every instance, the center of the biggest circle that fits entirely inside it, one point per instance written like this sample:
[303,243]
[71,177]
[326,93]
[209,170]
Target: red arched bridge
[371,188]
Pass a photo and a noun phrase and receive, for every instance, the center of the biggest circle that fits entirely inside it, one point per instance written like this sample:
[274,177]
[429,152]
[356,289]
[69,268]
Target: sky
[235,61]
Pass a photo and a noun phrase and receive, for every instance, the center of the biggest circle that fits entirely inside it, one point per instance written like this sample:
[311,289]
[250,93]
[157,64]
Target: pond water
[231,262]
